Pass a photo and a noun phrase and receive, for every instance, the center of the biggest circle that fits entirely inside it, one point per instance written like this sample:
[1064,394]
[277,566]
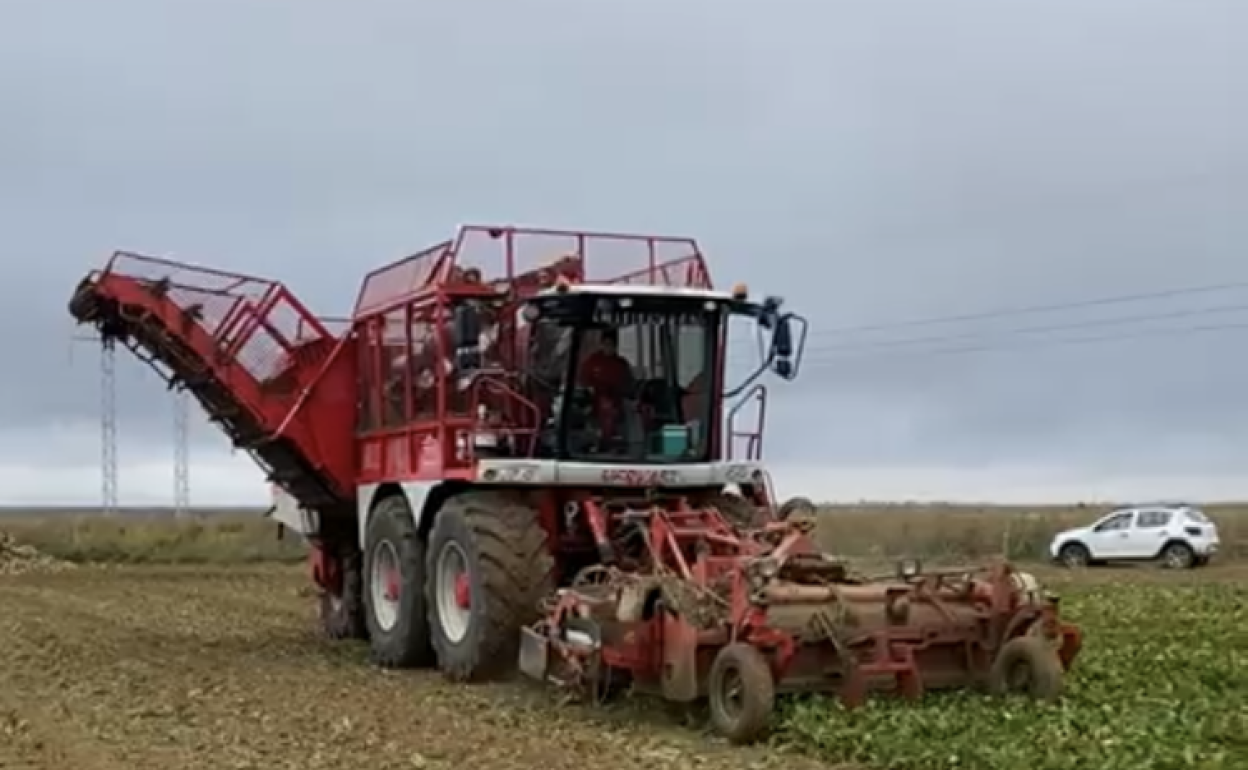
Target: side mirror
[782,348]
[466,336]
[782,338]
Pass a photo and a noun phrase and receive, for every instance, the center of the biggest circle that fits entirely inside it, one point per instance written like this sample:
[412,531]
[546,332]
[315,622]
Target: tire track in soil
[154,670]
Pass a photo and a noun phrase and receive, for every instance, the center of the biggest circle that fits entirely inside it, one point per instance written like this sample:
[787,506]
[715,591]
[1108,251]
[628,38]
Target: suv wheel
[1178,556]
[1074,555]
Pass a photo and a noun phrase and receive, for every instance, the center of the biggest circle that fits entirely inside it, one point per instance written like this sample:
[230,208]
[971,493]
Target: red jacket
[605,372]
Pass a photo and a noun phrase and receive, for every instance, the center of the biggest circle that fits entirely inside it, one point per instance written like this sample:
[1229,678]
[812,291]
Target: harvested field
[216,667]
[169,667]
[215,663]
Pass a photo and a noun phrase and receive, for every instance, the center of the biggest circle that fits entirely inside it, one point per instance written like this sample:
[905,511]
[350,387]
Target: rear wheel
[1074,555]
[741,693]
[394,594]
[1028,665]
[1178,556]
[488,565]
[801,507]
[738,511]
[342,613]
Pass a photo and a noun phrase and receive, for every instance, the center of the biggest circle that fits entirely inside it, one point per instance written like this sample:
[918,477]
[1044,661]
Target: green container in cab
[673,440]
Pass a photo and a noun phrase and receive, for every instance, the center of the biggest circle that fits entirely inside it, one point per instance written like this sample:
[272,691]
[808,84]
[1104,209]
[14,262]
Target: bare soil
[138,668]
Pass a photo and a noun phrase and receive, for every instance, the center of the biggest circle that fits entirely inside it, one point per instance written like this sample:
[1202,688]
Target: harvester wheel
[394,587]
[799,506]
[489,566]
[741,692]
[1028,665]
[738,511]
[342,615]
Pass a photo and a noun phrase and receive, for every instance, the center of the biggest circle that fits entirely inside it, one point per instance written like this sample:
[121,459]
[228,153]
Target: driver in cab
[610,376]
[605,370]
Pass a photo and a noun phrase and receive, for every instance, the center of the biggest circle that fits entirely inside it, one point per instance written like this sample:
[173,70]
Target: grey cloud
[871,162]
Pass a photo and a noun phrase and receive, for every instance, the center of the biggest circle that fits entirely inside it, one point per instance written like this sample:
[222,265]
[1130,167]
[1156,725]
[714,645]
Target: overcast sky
[873,162]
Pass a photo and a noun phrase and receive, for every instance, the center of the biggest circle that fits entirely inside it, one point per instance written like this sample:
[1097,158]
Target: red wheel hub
[463,592]
[392,584]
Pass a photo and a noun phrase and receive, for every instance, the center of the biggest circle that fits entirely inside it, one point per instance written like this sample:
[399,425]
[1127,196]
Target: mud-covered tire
[342,615]
[741,693]
[1027,665]
[509,569]
[1074,556]
[404,641]
[800,506]
[739,511]
[1178,556]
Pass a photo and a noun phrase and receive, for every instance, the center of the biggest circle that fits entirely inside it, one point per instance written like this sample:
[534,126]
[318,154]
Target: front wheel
[488,567]
[1028,665]
[342,613]
[742,693]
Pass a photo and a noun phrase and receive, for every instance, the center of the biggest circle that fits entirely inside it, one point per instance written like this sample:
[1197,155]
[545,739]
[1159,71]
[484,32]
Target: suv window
[1195,515]
[1153,519]
[1116,522]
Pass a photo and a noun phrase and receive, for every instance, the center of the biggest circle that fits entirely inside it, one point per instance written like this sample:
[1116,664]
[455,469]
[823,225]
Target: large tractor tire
[394,590]
[797,507]
[489,565]
[741,693]
[1027,665]
[739,511]
[342,614]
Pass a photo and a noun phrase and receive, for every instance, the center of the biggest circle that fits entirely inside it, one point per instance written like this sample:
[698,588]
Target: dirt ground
[136,668]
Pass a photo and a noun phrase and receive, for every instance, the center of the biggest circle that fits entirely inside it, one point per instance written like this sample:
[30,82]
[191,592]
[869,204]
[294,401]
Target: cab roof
[629,290]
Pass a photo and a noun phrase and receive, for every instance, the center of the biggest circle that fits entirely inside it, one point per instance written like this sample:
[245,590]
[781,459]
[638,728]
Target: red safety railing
[753,439]
[255,322]
[504,254]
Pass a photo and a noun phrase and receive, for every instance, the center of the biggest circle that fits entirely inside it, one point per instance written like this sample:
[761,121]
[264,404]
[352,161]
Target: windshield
[640,388]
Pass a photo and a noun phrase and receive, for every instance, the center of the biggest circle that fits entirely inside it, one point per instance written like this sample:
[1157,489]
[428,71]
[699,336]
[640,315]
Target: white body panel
[530,472]
[290,514]
[569,473]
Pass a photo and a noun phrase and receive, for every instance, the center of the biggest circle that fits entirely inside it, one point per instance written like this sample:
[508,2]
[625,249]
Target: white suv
[1180,536]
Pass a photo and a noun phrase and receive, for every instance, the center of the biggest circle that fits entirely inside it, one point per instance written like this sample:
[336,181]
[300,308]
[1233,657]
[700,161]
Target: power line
[1022,345]
[1023,330]
[1043,308]
[818,333]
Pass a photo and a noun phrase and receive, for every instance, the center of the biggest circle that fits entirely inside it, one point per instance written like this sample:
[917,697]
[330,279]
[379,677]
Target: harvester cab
[624,373]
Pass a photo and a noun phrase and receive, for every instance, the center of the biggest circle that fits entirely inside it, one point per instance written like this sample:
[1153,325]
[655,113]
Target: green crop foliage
[1161,684]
